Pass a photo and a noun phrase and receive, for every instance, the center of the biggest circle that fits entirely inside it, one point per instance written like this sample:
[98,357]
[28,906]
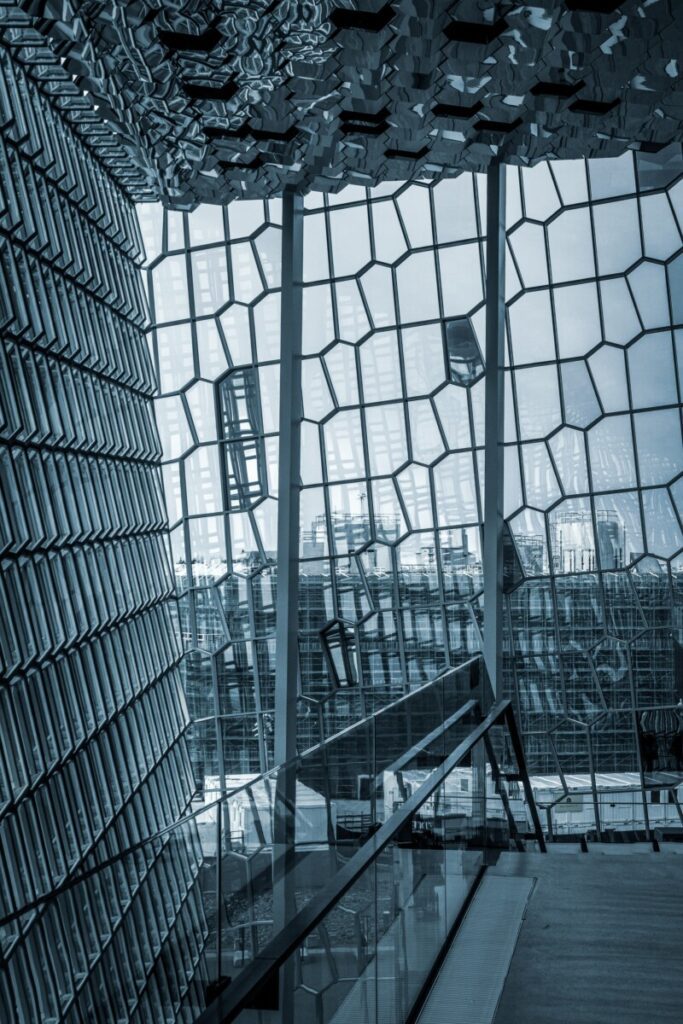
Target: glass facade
[215,306]
[392,466]
[142,803]
[92,711]
[390,583]
[594,461]
[392,441]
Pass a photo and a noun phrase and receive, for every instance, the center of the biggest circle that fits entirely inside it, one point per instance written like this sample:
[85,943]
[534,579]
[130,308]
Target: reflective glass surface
[392,384]
[594,621]
[93,714]
[216,345]
[392,471]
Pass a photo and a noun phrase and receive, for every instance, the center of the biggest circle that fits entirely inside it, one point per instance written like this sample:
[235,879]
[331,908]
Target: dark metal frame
[287,601]
[494,476]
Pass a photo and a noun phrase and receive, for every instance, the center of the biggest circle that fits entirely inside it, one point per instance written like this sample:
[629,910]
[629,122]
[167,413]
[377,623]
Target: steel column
[493,440]
[287,603]
[289,477]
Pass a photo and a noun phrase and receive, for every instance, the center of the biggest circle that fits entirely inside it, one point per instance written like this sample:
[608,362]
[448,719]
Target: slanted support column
[495,409]
[287,604]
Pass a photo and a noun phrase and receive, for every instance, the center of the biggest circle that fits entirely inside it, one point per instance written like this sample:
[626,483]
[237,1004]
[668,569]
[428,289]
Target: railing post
[502,793]
[518,751]
[219,890]
[594,788]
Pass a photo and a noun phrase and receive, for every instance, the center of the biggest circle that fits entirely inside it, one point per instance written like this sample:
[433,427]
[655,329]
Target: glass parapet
[362,948]
[301,822]
[421,773]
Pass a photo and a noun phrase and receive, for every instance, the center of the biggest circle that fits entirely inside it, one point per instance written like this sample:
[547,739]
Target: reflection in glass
[463,356]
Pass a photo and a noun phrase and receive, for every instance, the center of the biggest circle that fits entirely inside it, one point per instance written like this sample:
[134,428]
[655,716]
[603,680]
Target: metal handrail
[232,1000]
[432,684]
[83,874]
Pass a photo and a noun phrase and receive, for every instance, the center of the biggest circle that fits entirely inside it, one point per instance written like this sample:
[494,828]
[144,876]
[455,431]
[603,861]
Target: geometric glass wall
[390,587]
[392,375]
[213,283]
[93,718]
[594,488]
[392,438]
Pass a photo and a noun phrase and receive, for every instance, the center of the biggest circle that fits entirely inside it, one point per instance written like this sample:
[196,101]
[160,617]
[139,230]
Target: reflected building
[581,651]
[581,658]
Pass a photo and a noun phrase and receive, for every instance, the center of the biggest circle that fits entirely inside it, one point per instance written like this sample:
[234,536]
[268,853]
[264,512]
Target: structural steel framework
[408,411]
[396,363]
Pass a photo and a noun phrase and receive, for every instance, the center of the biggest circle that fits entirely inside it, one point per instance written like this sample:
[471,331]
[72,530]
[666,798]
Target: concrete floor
[601,942]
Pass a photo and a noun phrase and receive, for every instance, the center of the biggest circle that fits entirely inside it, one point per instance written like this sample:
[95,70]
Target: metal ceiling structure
[191,102]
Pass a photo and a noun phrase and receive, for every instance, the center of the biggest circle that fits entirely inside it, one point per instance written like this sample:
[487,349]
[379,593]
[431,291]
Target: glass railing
[361,948]
[259,849]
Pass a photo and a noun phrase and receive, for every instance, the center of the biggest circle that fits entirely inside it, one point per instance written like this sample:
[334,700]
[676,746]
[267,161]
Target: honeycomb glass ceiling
[205,101]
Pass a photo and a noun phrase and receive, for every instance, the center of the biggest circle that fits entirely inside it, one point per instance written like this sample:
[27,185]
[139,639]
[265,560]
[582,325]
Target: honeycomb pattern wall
[594,461]
[92,711]
[394,324]
[213,279]
[392,440]
[390,586]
